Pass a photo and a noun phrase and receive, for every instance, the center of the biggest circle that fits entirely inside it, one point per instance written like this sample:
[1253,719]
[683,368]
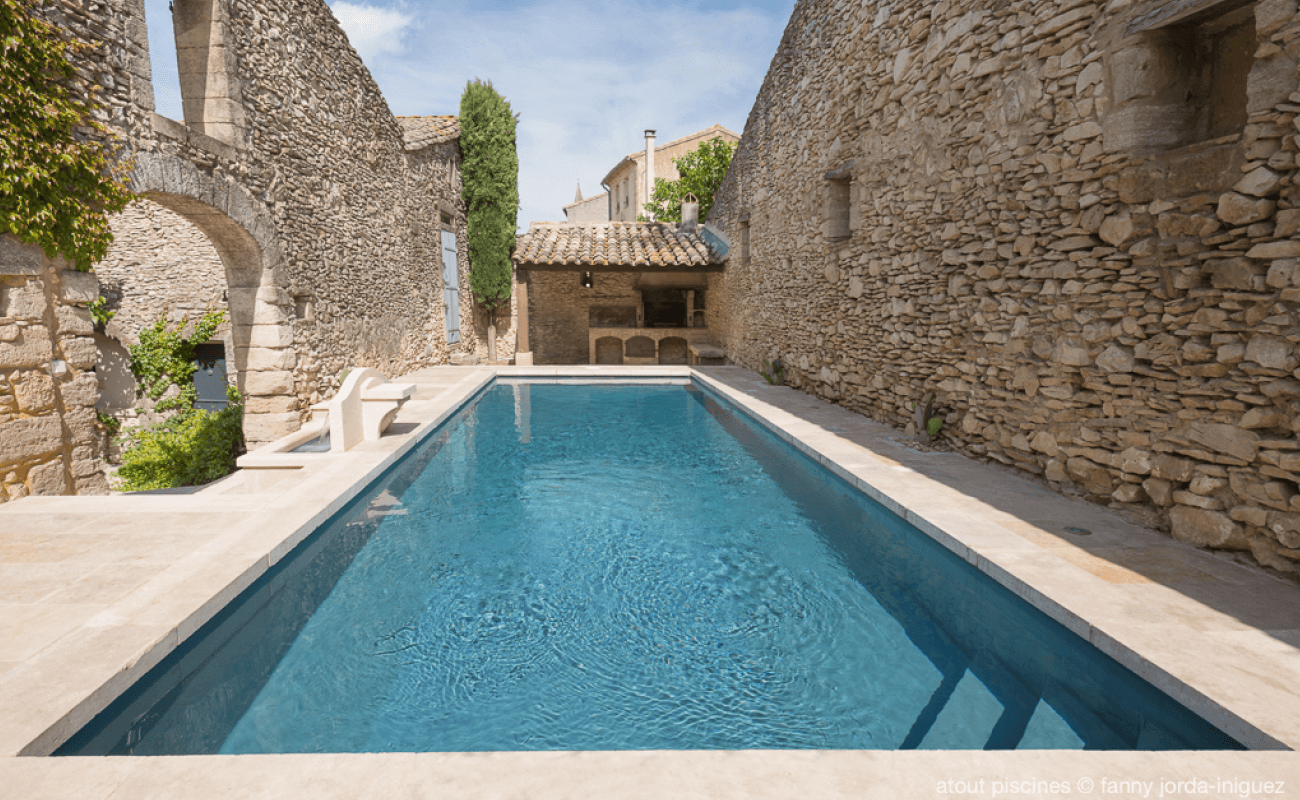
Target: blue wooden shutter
[450,287]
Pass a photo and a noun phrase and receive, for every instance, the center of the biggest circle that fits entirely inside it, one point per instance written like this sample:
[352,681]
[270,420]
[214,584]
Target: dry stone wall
[327,224]
[1074,223]
[159,266]
[559,311]
[49,440]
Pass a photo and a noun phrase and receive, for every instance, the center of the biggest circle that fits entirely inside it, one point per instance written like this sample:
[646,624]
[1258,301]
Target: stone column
[523,356]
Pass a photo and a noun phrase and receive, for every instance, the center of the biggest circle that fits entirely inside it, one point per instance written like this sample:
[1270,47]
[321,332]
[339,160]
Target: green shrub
[191,448]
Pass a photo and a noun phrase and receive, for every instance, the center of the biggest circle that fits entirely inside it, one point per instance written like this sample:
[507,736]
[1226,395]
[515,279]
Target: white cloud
[373,31]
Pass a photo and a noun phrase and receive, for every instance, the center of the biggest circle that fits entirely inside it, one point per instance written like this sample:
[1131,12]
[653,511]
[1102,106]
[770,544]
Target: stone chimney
[649,164]
[690,214]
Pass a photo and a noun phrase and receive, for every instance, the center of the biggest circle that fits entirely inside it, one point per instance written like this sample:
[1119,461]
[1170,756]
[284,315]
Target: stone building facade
[1073,223]
[49,442]
[587,209]
[626,182]
[613,292]
[325,210]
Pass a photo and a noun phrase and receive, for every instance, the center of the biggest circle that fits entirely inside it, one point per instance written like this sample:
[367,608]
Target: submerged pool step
[988,708]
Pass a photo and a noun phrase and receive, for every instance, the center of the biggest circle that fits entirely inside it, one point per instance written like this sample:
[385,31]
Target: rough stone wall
[159,265]
[293,166]
[559,309]
[1032,210]
[49,441]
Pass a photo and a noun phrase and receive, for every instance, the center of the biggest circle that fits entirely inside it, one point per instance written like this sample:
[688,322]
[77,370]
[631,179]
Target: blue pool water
[586,567]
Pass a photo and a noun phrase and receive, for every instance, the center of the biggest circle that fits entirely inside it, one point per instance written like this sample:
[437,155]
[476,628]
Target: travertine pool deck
[95,590]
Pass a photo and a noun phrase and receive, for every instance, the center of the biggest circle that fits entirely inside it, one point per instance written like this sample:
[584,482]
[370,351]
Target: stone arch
[260,306]
[609,350]
[673,350]
[640,347]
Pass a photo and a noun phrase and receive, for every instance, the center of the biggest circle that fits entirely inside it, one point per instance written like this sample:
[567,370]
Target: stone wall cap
[613,244]
[421,132]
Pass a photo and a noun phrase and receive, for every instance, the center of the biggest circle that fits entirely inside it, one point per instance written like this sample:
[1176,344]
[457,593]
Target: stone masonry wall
[559,311]
[291,163]
[1074,222]
[159,265]
[49,442]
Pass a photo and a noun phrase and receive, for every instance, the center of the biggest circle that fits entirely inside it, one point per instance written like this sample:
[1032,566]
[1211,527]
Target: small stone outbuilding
[613,292]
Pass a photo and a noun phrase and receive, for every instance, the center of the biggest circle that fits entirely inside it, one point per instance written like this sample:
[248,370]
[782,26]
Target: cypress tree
[490,185]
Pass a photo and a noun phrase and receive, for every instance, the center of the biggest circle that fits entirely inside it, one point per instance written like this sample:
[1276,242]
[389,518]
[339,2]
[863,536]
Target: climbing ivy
[165,358]
[490,185]
[192,446]
[56,187]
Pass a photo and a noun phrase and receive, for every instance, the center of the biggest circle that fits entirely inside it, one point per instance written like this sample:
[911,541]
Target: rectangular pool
[627,567]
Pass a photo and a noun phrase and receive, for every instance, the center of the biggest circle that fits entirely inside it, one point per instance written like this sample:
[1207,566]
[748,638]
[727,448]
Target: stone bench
[708,355]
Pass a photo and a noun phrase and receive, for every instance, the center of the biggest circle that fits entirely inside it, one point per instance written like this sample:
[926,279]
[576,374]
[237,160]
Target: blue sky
[586,77]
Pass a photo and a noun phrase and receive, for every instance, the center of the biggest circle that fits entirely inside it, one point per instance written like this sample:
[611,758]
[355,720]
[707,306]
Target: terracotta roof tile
[420,132]
[621,244]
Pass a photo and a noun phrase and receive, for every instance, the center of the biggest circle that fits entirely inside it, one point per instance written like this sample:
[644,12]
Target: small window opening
[837,209]
[586,281]
[304,307]
[445,218]
[1185,81]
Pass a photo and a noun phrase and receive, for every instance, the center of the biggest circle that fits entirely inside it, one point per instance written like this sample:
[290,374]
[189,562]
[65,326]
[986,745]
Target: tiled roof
[613,244]
[420,132]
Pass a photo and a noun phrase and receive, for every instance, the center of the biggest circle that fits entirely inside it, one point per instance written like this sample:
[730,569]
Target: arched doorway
[259,307]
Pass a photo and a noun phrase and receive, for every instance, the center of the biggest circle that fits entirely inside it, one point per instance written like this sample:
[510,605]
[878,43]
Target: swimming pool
[594,567]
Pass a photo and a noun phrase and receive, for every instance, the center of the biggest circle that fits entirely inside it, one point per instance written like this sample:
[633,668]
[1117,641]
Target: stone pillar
[690,308]
[523,356]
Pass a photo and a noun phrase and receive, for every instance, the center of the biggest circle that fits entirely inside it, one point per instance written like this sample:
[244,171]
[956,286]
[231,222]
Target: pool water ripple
[596,568]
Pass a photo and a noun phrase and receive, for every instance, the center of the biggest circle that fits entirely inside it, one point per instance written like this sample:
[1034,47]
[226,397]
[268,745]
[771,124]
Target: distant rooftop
[612,244]
[420,132]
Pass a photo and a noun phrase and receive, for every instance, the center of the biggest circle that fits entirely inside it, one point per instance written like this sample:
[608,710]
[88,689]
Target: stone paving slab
[94,590]
[660,775]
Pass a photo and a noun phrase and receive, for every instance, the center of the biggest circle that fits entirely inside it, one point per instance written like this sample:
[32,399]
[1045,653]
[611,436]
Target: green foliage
[55,189]
[190,448]
[490,185]
[702,171]
[99,312]
[108,422]
[165,358]
[933,425]
[773,372]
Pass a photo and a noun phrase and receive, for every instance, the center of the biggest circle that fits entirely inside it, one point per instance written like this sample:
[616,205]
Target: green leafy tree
[702,171]
[490,185]
[56,188]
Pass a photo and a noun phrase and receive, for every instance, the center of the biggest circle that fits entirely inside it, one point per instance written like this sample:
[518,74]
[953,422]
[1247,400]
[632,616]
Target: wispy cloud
[586,77]
[372,30]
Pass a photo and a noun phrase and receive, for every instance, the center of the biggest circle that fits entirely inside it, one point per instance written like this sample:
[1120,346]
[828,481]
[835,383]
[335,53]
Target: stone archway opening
[176,256]
[609,350]
[673,350]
